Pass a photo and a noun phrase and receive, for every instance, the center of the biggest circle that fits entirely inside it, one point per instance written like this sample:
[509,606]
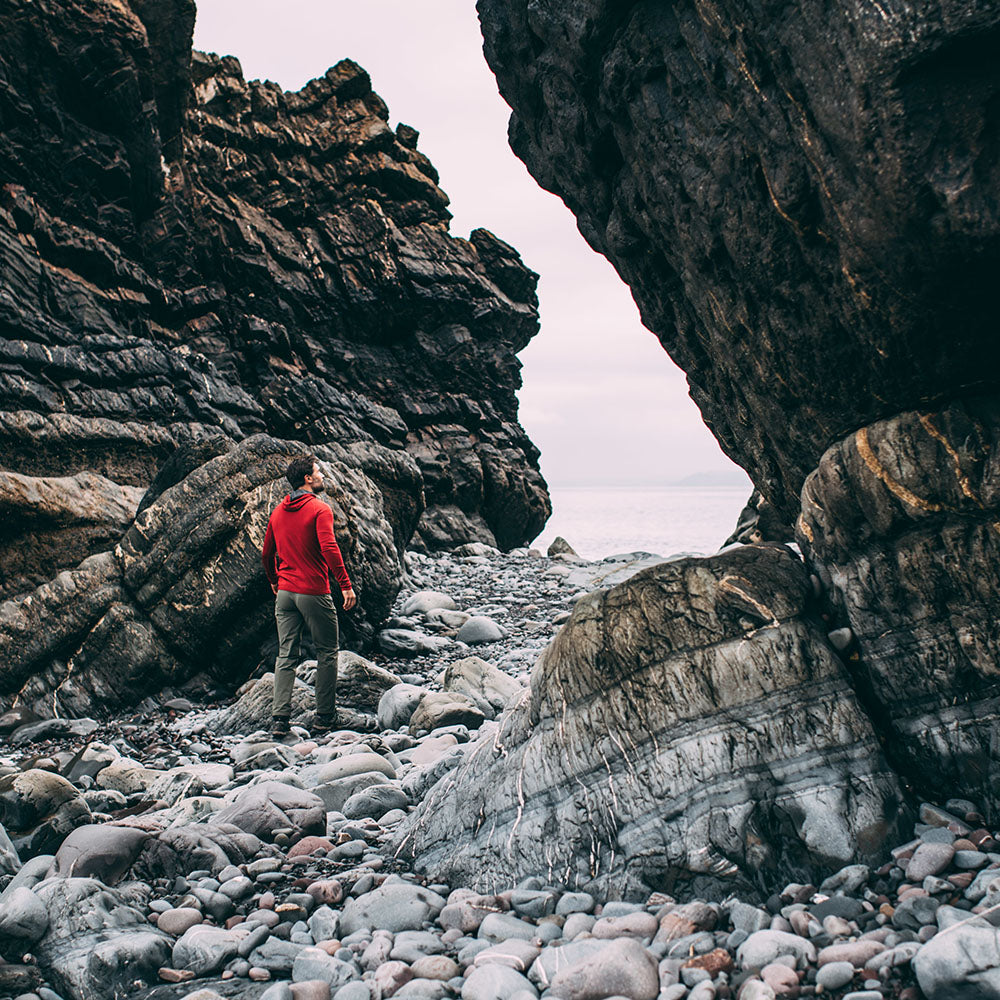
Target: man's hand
[350,599]
[274,588]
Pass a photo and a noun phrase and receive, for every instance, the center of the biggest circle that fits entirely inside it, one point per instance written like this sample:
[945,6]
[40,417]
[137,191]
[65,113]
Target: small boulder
[393,906]
[961,962]
[487,686]
[103,851]
[397,705]
[480,629]
[23,917]
[408,643]
[444,708]
[427,600]
[623,968]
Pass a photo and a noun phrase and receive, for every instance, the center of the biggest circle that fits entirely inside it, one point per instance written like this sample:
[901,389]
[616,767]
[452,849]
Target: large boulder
[801,199]
[900,520]
[39,809]
[688,730]
[961,962]
[57,521]
[97,942]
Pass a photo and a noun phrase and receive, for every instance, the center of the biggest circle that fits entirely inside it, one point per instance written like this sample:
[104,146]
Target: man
[300,553]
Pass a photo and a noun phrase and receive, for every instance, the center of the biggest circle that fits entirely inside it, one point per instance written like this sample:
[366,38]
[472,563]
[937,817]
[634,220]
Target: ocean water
[600,521]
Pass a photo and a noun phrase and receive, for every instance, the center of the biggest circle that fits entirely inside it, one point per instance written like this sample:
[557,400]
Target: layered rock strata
[183,591]
[903,520]
[687,728]
[190,260]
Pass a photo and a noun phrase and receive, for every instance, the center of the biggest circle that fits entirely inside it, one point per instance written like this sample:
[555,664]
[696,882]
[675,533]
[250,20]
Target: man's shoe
[324,724]
[280,726]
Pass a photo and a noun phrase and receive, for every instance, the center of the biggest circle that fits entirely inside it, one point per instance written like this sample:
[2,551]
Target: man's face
[314,481]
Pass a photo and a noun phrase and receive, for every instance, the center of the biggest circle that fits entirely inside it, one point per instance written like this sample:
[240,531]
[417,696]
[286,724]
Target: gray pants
[291,612]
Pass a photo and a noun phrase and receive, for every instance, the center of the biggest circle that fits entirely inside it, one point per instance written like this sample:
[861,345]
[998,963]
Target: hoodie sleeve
[330,549]
[268,556]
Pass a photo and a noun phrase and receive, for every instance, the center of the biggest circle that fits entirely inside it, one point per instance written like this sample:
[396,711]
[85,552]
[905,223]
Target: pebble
[835,975]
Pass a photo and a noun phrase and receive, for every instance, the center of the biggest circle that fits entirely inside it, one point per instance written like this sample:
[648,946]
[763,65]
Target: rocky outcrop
[183,590]
[190,260]
[800,199]
[902,519]
[686,728]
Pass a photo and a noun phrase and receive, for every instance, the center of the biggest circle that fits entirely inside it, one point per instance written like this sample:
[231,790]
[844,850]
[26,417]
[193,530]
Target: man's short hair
[298,469]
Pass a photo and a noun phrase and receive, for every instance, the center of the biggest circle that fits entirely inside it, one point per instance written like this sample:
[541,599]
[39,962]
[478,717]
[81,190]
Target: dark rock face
[188,260]
[903,520]
[801,199]
[688,727]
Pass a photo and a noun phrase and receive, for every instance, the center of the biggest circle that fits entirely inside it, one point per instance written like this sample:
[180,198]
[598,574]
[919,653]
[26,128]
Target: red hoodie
[300,551]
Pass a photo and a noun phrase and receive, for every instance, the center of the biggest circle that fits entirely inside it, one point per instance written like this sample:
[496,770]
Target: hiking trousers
[316,612]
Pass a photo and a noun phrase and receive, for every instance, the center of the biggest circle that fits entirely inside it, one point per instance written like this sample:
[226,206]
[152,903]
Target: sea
[603,521]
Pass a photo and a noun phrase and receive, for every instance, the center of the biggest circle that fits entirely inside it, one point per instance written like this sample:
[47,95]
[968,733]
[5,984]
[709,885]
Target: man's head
[303,474]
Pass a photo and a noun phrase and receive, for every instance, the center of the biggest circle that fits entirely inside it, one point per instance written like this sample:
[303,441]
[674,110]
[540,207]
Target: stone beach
[183,853]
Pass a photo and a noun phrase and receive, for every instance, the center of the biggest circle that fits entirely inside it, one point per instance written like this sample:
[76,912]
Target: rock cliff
[190,261]
[801,200]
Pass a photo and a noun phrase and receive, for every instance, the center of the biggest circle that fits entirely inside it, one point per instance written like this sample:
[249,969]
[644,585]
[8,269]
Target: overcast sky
[601,398]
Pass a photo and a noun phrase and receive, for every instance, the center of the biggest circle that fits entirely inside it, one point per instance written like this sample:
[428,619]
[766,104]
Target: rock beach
[275,888]
[150,400]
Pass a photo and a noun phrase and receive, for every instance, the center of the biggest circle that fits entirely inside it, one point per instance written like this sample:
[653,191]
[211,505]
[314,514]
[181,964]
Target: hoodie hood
[297,499]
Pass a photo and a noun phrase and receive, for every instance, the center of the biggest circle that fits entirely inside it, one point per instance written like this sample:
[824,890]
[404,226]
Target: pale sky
[601,398]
